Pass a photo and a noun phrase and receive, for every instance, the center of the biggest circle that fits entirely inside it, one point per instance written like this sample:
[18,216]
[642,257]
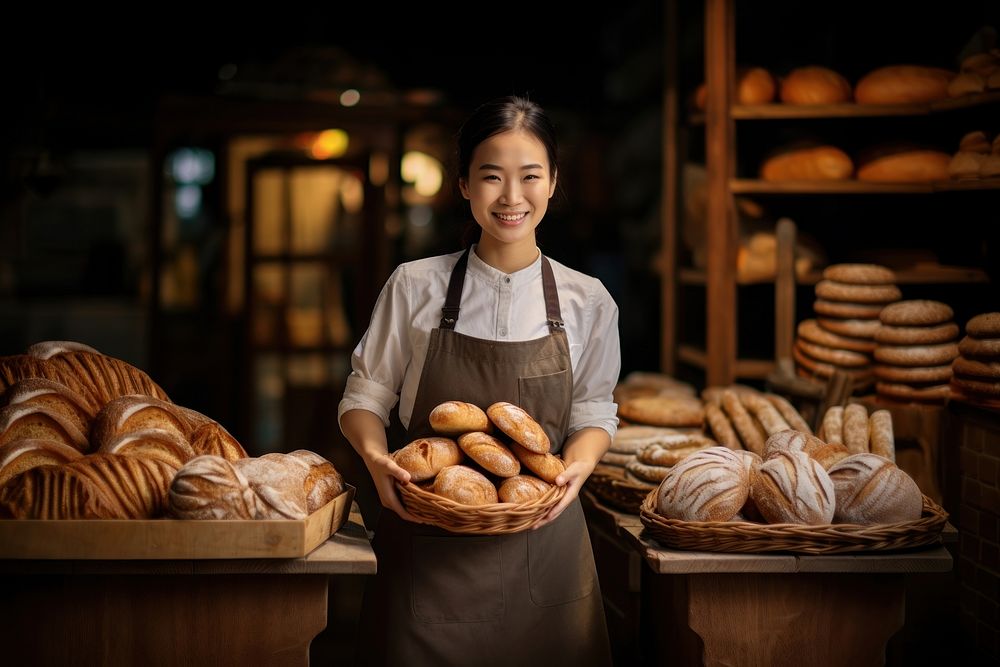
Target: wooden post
[784,291]
[670,185]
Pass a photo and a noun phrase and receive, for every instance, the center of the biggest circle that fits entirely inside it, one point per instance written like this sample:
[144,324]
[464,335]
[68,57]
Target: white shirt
[495,306]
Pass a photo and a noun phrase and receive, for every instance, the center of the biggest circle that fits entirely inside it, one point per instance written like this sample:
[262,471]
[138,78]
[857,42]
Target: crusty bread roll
[903,84]
[754,85]
[323,483]
[826,454]
[465,486]
[519,426]
[522,489]
[279,481]
[871,489]
[58,398]
[547,466]
[456,418]
[490,453]
[20,455]
[710,485]
[792,487]
[856,428]
[425,457]
[815,85]
[807,163]
[832,427]
[27,420]
[880,436]
[210,487]
[905,166]
[167,446]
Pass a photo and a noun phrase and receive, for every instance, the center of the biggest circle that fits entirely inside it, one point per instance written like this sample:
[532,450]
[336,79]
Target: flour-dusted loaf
[55,396]
[827,454]
[519,426]
[880,434]
[870,489]
[710,485]
[792,487]
[20,455]
[425,457]
[465,486]
[490,453]
[323,483]
[27,420]
[210,487]
[279,482]
[547,466]
[522,489]
[457,417]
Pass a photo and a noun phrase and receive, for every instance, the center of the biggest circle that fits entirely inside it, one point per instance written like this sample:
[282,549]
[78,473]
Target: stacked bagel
[977,368]
[472,464]
[914,351]
[841,338]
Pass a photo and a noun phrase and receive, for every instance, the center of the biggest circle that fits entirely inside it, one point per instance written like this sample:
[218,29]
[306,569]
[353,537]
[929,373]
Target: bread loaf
[743,422]
[167,446]
[855,429]
[490,453]
[323,483]
[676,411]
[465,486]
[658,455]
[807,163]
[425,457]
[519,426]
[789,412]
[832,428]
[212,438]
[631,439]
[547,466]
[903,84]
[880,436]
[871,489]
[210,487]
[754,85]
[56,397]
[127,414]
[905,166]
[826,454]
[710,485]
[815,85]
[26,420]
[966,83]
[522,489]
[766,413]
[792,487]
[279,481]
[20,455]
[456,418]
[51,348]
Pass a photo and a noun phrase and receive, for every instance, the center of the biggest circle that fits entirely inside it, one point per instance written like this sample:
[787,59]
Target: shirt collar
[493,276]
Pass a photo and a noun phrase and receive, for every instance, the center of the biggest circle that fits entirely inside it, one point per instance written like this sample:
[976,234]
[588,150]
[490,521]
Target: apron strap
[453,301]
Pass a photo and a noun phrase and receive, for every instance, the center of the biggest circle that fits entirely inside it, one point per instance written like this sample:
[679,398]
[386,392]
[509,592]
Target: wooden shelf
[924,275]
[754,369]
[754,186]
[792,111]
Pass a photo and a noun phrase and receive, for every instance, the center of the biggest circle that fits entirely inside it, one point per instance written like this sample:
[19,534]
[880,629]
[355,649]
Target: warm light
[423,171]
[329,144]
[350,97]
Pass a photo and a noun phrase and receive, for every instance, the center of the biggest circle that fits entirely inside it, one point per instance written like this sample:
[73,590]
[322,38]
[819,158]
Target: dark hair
[502,115]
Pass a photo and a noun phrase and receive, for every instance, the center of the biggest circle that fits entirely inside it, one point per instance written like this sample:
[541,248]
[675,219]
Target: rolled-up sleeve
[596,372]
[379,361]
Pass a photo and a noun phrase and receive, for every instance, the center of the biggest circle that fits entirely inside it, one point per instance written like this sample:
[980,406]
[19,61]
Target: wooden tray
[157,539]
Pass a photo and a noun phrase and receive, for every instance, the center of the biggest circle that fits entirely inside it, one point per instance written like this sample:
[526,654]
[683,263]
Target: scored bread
[546,466]
[425,457]
[710,485]
[279,482]
[323,483]
[870,489]
[458,417]
[519,426]
[490,453]
[792,487]
[210,487]
[522,489]
[465,486]
[827,454]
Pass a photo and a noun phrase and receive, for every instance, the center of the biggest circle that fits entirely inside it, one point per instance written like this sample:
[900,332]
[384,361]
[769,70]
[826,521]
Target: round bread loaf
[425,457]
[916,312]
[519,426]
[815,85]
[928,335]
[914,375]
[490,453]
[210,487]
[824,369]
[847,310]
[792,487]
[860,274]
[985,325]
[807,163]
[903,84]
[710,485]
[980,348]
[279,480]
[832,290]
[826,454]
[465,486]
[916,355]
[663,411]
[521,489]
[811,331]
[856,328]
[456,418]
[988,371]
[834,356]
[323,483]
[546,466]
[870,489]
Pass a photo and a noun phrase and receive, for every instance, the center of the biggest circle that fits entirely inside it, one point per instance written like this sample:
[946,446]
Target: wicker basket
[745,537]
[617,492]
[492,519]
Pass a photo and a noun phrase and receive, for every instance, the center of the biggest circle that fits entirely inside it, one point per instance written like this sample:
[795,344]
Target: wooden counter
[169,612]
[769,609]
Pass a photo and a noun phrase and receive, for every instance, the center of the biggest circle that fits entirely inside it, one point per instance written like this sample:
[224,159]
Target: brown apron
[531,598]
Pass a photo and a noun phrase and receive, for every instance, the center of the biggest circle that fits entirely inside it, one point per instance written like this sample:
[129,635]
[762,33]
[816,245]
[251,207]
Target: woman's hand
[581,452]
[572,478]
[385,472]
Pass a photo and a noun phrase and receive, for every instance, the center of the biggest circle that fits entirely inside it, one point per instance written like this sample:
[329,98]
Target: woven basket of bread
[617,492]
[490,519]
[747,537]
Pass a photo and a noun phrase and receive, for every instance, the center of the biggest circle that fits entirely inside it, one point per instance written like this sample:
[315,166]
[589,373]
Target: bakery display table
[762,609]
[170,612]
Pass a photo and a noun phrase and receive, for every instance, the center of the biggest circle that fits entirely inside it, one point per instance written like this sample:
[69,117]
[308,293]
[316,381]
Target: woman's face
[509,186]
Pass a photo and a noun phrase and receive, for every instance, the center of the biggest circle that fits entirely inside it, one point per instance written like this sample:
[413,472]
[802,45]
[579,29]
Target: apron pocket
[548,398]
[561,560]
[456,579]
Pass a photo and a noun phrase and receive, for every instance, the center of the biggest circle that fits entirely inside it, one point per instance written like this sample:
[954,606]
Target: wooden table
[758,609]
[170,612]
